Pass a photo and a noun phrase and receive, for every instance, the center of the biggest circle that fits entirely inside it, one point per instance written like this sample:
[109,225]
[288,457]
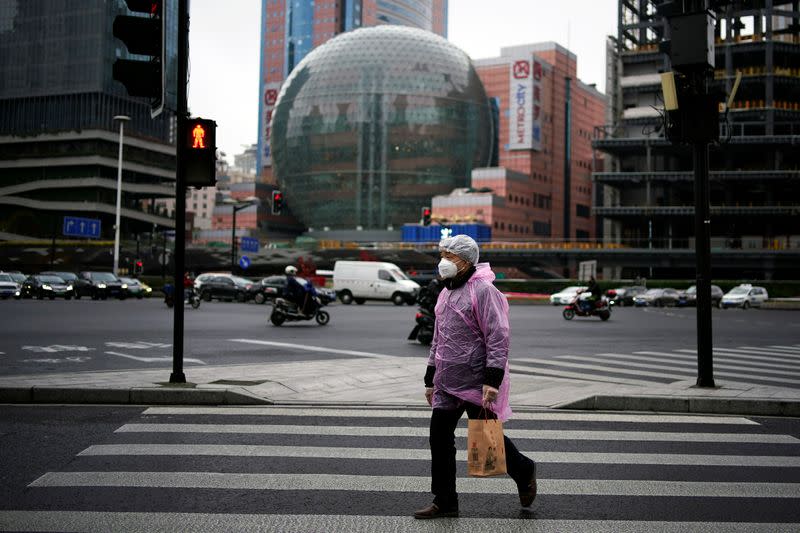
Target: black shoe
[433,511]
[528,493]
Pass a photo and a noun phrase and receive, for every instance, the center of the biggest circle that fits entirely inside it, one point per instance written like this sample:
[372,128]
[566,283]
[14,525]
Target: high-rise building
[544,116]
[290,29]
[647,197]
[58,139]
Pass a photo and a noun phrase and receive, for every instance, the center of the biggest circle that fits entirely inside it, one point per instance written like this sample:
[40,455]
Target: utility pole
[177,375]
[692,118]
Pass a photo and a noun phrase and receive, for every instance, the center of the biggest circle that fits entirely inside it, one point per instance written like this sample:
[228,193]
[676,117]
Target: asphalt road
[74,336]
[327,469]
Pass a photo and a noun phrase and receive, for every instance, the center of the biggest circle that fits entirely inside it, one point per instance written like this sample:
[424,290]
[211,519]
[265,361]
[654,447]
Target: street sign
[244,262]
[82,227]
[249,244]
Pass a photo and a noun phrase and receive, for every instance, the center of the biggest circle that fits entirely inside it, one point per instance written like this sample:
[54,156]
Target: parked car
[137,288]
[689,296]
[223,287]
[745,296]
[40,286]
[105,284]
[360,281]
[657,298]
[82,287]
[624,295]
[17,276]
[202,278]
[565,296]
[8,287]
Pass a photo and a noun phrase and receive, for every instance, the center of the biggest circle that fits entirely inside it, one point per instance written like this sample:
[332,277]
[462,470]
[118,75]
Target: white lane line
[566,374]
[101,522]
[419,454]
[758,351]
[426,414]
[309,348]
[155,359]
[743,356]
[420,484]
[623,371]
[724,359]
[403,431]
[793,349]
[688,366]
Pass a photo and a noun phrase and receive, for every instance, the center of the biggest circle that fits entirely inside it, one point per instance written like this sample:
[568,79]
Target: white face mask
[447,269]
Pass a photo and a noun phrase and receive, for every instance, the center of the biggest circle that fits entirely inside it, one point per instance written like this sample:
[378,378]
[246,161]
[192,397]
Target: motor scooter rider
[594,292]
[188,285]
[301,296]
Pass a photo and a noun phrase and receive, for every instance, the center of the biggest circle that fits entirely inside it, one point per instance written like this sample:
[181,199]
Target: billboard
[525,104]
[270,97]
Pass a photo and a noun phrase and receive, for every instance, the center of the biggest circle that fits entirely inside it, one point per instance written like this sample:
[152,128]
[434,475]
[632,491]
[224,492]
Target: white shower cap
[463,246]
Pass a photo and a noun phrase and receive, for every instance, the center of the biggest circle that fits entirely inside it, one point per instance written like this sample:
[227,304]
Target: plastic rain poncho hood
[471,333]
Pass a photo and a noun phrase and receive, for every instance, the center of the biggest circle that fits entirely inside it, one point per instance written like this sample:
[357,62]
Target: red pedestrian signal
[198,152]
[426,216]
[277,202]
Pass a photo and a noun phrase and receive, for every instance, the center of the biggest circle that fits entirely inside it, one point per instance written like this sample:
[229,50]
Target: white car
[745,296]
[8,287]
[566,296]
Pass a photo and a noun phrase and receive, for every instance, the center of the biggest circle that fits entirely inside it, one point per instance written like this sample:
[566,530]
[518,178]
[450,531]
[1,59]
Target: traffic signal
[426,216]
[138,267]
[277,202]
[143,36]
[198,152]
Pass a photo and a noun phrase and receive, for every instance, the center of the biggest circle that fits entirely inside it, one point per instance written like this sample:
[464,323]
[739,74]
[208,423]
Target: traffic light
[277,202]
[426,216]
[138,267]
[198,152]
[143,36]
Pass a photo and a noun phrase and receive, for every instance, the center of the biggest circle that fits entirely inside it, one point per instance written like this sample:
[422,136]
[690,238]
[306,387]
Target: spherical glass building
[372,124]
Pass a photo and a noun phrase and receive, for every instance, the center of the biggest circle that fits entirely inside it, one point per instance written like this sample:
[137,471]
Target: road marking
[684,359]
[308,348]
[402,431]
[156,359]
[686,366]
[95,521]
[54,348]
[419,454]
[72,359]
[624,371]
[418,484]
[729,357]
[760,351]
[531,368]
[426,414]
[138,345]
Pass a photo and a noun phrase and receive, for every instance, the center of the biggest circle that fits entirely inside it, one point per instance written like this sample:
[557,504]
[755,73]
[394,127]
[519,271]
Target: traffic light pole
[177,375]
[702,232]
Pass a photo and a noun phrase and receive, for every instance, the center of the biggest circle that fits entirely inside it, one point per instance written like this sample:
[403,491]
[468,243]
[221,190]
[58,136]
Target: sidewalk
[385,380]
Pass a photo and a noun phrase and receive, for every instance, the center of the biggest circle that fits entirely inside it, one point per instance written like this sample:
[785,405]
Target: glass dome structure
[372,124]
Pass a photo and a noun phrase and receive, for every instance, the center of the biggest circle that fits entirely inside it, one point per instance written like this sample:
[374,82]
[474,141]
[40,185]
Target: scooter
[190,297]
[423,331]
[579,306]
[426,317]
[285,311]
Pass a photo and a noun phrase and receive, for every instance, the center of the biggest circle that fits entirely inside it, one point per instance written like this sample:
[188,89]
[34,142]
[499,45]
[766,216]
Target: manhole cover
[237,382]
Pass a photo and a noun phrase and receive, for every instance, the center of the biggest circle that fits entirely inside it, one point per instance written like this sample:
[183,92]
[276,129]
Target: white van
[360,281]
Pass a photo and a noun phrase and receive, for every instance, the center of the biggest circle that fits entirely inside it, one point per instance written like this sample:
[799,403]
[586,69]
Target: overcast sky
[225,37]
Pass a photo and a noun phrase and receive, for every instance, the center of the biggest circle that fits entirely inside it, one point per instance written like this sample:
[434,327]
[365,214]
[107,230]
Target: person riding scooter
[594,292]
[298,294]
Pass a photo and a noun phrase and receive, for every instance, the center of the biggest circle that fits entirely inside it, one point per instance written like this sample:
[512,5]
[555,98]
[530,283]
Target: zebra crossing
[284,468]
[769,365]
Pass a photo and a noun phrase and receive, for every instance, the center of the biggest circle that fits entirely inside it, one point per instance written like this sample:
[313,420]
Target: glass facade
[415,13]
[372,124]
[299,31]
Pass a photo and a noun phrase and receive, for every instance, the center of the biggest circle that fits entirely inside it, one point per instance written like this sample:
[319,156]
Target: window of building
[580,234]
[541,228]
[583,211]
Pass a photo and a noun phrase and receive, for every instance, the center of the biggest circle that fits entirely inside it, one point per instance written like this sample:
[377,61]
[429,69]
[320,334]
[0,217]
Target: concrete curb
[133,395]
[678,404]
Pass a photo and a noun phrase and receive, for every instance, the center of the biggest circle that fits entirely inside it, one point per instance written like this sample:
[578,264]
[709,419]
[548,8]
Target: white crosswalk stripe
[777,366]
[265,468]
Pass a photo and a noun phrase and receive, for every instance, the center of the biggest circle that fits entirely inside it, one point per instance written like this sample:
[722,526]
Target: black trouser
[443,454]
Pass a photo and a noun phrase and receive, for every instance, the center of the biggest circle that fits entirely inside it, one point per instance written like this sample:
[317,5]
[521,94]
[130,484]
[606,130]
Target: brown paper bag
[486,451]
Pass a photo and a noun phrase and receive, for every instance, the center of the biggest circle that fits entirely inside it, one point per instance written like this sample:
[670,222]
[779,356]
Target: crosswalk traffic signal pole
[177,375]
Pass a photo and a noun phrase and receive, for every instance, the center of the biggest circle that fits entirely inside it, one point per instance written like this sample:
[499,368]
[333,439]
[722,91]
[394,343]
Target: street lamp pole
[236,208]
[122,120]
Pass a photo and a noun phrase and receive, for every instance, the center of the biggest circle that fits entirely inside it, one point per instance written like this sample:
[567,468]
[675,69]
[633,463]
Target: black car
[223,288]
[41,286]
[82,287]
[272,286]
[689,296]
[105,284]
[625,295]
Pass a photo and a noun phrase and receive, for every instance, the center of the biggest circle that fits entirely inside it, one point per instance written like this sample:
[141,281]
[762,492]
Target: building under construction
[645,198]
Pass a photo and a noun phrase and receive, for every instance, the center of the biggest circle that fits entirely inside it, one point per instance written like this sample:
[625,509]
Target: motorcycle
[285,311]
[190,297]
[581,306]
[426,317]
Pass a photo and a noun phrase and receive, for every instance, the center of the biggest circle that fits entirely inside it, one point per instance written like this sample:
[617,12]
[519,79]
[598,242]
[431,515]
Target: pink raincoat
[471,333]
